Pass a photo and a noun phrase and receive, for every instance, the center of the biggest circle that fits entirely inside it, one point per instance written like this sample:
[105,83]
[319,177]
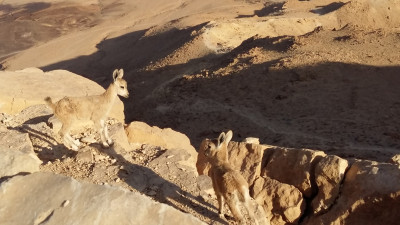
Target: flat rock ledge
[46,198]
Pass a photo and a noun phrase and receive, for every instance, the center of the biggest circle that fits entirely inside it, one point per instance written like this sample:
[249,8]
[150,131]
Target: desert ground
[318,74]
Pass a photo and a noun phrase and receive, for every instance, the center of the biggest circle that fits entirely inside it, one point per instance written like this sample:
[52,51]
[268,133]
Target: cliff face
[303,186]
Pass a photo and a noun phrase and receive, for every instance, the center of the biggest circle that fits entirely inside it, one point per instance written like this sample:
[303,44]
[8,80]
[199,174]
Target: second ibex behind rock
[95,108]
[228,183]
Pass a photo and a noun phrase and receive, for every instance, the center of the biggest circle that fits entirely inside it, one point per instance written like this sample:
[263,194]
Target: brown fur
[228,183]
[95,108]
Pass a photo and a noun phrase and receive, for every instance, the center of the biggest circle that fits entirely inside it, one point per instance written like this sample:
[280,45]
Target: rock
[28,87]
[119,137]
[202,165]
[84,155]
[204,184]
[99,158]
[16,153]
[370,195]
[252,140]
[41,198]
[329,173]
[247,158]
[32,115]
[139,132]
[89,139]
[244,157]
[295,167]
[395,159]
[177,167]
[283,203]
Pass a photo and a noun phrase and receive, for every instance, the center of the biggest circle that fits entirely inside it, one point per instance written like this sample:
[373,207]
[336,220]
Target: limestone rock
[370,195]
[85,155]
[27,87]
[283,203]
[329,173]
[54,199]
[139,132]
[295,167]
[16,153]
[252,140]
[244,157]
[247,158]
[119,137]
[174,163]
[202,164]
[395,160]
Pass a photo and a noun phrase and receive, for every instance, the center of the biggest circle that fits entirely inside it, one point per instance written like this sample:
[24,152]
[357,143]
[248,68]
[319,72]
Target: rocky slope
[294,186]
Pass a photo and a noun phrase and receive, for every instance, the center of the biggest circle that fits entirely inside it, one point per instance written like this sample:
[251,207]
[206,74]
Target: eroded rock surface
[54,199]
[329,173]
[140,132]
[283,203]
[370,195]
[295,167]
[16,153]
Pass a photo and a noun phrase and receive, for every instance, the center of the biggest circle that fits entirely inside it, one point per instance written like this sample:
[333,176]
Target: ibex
[95,108]
[228,183]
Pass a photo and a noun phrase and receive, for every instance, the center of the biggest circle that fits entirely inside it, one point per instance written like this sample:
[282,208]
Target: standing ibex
[95,108]
[228,183]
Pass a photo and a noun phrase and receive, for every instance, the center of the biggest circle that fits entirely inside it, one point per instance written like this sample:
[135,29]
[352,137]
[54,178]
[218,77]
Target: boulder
[370,195]
[16,153]
[395,159]
[283,203]
[295,167]
[118,135]
[329,173]
[45,198]
[202,165]
[247,158]
[140,132]
[27,87]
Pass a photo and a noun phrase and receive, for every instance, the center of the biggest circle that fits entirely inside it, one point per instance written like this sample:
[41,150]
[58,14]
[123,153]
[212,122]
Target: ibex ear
[121,73]
[115,75]
[228,136]
[221,139]
[224,138]
[118,74]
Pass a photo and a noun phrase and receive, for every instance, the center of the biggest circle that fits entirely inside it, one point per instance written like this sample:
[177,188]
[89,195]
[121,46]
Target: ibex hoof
[77,143]
[110,142]
[105,145]
[75,148]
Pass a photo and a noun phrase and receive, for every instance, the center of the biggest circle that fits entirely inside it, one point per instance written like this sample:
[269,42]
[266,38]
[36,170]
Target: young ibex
[95,108]
[228,183]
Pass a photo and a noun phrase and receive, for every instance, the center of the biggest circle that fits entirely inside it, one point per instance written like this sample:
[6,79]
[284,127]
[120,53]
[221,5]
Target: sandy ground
[306,74]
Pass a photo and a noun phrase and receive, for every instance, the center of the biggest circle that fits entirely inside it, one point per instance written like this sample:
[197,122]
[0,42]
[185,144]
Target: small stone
[169,156]
[84,156]
[99,157]
[152,193]
[88,139]
[154,188]
[252,140]
[117,180]
[65,203]
[113,161]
